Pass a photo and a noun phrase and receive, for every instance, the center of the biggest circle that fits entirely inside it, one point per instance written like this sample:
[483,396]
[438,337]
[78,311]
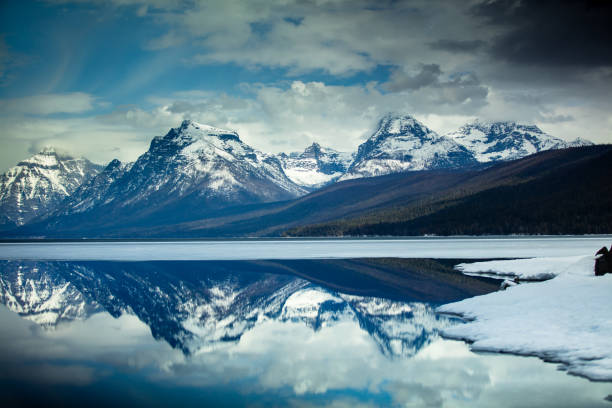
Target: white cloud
[292,115]
[441,73]
[287,361]
[284,117]
[89,137]
[340,37]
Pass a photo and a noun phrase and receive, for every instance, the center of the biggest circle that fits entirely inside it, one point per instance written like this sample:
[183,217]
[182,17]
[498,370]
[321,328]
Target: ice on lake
[430,247]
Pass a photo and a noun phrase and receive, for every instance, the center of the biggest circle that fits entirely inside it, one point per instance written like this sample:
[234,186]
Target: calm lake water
[293,332]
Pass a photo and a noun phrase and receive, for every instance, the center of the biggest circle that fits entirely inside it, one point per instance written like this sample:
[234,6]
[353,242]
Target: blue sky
[101,78]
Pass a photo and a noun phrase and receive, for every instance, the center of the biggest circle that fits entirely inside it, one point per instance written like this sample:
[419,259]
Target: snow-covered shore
[524,269]
[567,319]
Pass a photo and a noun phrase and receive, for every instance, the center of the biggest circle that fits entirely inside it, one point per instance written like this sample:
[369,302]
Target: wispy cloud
[75,102]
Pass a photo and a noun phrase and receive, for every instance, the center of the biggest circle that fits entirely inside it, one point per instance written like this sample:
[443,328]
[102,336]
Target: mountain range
[198,172]
[192,168]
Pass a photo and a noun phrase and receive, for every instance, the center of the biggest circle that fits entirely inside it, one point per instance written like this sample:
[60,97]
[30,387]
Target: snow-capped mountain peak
[396,124]
[316,166]
[402,143]
[200,152]
[313,151]
[47,158]
[507,140]
[39,183]
[190,131]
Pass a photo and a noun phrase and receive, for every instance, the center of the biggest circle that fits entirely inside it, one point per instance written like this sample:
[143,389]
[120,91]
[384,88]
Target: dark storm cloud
[457,88]
[464,87]
[428,75]
[551,32]
[430,90]
[457,46]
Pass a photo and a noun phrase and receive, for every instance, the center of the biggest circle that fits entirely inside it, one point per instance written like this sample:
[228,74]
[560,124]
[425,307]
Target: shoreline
[564,320]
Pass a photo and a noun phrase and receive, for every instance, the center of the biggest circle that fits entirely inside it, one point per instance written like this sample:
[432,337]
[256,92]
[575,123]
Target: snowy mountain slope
[38,184]
[502,141]
[316,166]
[96,190]
[210,162]
[402,143]
[192,168]
[578,142]
[196,309]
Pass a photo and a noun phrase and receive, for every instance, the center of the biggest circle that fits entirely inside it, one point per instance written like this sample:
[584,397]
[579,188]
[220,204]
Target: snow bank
[567,319]
[524,269]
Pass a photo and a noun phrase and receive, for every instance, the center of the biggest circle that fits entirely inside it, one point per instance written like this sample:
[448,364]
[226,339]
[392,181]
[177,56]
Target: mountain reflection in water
[235,333]
[196,305]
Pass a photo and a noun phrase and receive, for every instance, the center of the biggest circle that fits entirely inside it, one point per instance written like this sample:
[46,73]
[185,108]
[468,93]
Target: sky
[102,78]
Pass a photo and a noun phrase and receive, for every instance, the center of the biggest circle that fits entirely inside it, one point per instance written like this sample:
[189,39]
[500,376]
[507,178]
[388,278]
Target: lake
[152,324]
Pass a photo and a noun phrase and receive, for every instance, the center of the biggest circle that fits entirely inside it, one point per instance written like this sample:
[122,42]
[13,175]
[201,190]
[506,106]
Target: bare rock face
[603,263]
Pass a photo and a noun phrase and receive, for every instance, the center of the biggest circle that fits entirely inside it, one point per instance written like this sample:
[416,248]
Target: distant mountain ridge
[316,166]
[503,141]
